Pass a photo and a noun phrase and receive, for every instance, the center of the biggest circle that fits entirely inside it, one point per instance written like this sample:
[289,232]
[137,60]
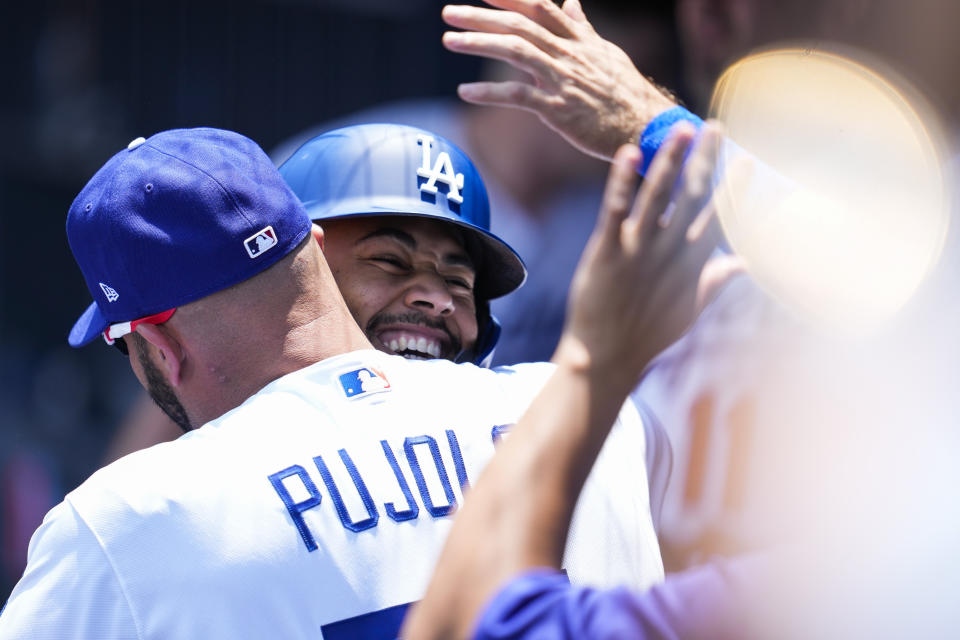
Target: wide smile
[414,342]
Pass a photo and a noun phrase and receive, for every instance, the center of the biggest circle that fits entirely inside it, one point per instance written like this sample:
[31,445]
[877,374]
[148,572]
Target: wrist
[656,131]
[641,106]
[658,100]
[615,373]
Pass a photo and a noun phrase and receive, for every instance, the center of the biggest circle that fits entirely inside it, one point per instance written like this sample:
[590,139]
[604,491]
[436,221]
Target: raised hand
[634,292]
[583,87]
[636,288]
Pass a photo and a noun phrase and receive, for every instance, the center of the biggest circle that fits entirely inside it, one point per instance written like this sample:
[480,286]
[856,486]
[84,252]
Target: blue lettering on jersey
[376,625]
[412,509]
[408,448]
[458,460]
[497,433]
[296,509]
[373,515]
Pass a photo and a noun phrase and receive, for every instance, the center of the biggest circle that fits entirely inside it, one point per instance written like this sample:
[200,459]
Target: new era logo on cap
[363,381]
[260,242]
[110,292]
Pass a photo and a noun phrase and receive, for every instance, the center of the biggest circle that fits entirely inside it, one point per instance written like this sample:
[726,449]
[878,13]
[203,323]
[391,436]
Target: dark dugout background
[80,79]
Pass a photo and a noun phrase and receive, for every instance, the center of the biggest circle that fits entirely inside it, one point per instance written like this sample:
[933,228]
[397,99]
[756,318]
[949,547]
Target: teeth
[415,346]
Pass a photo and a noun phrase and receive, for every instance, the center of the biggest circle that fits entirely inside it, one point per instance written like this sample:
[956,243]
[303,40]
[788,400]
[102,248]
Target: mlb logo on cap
[260,242]
[363,381]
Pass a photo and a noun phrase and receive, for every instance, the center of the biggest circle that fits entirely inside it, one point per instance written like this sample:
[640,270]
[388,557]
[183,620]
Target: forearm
[562,433]
[518,513]
[625,307]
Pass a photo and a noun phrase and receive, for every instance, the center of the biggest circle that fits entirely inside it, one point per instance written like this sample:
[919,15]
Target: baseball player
[355,181]
[381,225]
[376,187]
[313,498]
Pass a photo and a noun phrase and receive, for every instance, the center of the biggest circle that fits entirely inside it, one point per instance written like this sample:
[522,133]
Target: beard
[161,392]
[454,348]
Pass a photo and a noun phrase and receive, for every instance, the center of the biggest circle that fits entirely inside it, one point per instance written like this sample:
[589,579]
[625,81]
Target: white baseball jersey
[709,389]
[314,510]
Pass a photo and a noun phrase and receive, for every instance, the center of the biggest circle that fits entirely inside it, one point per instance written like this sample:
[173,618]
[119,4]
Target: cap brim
[90,325]
[503,269]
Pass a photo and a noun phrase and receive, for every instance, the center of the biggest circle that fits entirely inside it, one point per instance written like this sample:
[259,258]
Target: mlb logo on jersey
[260,242]
[363,382]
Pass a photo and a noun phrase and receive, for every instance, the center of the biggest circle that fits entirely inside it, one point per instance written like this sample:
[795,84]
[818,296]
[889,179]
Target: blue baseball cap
[174,218]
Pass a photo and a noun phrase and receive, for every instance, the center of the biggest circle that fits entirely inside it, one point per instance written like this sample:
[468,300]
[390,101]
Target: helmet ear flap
[487,337]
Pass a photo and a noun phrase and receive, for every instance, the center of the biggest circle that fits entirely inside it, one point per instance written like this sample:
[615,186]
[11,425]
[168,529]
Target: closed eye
[460,282]
[390,260]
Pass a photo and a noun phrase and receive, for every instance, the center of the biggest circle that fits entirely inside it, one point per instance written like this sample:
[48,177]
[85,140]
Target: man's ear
[317,232]
[171,352]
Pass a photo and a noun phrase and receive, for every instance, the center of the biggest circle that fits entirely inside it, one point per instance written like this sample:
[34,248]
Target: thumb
[717,272]
[573,9]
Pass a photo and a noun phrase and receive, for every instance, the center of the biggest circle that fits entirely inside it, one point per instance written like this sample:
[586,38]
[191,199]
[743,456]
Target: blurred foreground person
[517,517]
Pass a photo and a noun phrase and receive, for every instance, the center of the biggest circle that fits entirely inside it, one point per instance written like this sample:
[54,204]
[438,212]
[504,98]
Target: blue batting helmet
[392,169]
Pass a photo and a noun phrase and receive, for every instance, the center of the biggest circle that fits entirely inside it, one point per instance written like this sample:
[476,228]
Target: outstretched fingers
[733,178]
[543,12]
[573,9]
[700,242]
[716,273]
[696,186]
[654,198]
[618,193]
[501,22]
[510,93]
[509,48]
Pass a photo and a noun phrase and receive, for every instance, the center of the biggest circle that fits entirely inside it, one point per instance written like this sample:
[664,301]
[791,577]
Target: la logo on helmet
[441,170]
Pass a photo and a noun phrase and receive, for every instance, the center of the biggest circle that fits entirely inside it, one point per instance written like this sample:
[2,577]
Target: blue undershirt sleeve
[700,603]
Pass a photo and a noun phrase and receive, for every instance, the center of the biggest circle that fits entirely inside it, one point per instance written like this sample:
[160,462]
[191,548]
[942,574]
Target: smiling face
[408,282]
